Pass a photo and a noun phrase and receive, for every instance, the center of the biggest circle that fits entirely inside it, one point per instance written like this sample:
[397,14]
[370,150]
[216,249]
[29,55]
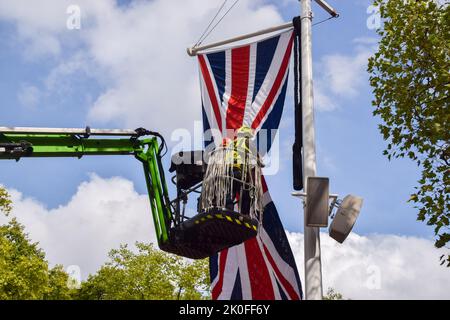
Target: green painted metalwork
[71,146]
[146,150]
[157,189]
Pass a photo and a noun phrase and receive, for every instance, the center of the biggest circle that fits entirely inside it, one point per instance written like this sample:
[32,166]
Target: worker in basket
[233,177]
[244,157]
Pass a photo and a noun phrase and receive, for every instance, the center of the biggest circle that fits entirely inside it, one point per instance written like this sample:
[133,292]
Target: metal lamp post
[313,265]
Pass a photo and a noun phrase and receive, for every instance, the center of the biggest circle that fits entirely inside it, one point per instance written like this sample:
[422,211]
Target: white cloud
[28,96]
[139,52]
[38,25]
[102,214]
[326,159]
[340,77]
[61,79]
[380,267]
[155,81]
[322,99]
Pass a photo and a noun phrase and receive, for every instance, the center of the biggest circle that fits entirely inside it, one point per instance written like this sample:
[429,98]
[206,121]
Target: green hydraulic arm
[17,143]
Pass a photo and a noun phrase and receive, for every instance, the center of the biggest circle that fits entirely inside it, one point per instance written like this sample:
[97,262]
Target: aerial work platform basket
[227,183]
[229,206]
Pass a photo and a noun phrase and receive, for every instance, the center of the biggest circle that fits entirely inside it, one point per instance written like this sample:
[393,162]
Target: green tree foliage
[333,295]
[58,285]
[5,201]
[24,272]
[410,76]
[147,274]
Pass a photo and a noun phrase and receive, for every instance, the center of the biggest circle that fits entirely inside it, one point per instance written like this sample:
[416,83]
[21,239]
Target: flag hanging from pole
[246,86]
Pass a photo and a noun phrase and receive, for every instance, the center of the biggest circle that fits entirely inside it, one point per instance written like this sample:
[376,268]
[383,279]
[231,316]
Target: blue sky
[127,67]
[349,147]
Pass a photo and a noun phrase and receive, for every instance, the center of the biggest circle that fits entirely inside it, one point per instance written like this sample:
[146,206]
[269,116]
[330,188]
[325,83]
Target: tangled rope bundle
[220,177]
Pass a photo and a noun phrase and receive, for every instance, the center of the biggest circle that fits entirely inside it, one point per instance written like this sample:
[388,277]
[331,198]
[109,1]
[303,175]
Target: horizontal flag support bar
[325,6]
[332,197]
[75,131]
[304,195]
[193,51]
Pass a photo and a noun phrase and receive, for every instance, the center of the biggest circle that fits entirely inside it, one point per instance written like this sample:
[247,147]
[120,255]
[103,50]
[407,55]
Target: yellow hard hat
[245,131]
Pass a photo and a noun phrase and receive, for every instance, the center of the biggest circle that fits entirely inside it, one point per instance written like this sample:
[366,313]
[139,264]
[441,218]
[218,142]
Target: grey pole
[313,267]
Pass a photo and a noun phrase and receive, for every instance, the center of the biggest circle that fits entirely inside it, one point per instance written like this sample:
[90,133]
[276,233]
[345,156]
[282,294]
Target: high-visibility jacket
[242,151]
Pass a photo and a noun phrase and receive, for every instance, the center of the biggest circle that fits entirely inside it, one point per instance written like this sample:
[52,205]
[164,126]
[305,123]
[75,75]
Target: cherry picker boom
[209,231]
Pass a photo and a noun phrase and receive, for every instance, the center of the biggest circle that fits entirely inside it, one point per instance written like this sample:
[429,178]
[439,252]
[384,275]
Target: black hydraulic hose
[144,132]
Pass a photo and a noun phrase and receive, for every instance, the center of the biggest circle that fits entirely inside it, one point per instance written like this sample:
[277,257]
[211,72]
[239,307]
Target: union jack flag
[246,86]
